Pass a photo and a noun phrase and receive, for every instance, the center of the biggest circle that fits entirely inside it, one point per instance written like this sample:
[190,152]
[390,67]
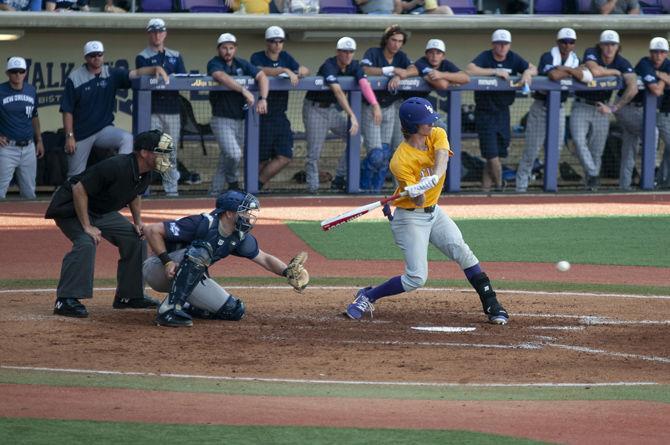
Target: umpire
[86,209]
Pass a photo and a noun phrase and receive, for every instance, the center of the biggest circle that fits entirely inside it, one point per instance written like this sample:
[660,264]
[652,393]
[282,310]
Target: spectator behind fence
[653,70]
[492,108]
[276,136]
[20,5]
[607,7]
[589,120]
[388,60]
[257,6]
[229,109]
[424,7]
[380,7]
[122,6]
[20,136]
[558,63]
[88,105]
[165,111]
[67,5]
[321,110]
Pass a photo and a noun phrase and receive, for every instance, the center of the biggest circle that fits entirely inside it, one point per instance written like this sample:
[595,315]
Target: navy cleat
[361,304]
[496,313]
[174,318]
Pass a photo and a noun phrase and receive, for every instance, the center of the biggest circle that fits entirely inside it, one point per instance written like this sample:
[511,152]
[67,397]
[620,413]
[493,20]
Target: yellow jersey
[410,164]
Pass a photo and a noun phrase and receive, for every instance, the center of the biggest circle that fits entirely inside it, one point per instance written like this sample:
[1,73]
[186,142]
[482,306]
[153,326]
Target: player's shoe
[70,307]
[361,304]
[174,318]
[496,313]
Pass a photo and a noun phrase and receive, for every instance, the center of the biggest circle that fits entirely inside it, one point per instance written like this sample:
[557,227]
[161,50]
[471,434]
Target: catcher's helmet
[244,204]
[416,111]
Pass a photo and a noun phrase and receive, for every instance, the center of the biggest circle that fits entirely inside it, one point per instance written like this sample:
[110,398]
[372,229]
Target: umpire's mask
[160,144]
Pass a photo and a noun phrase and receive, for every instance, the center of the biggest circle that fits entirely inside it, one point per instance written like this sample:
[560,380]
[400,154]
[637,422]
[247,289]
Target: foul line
[423,289]
[318,382]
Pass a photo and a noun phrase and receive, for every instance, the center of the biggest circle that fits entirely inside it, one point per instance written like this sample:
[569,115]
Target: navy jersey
[545,66]
[277,100]
[619,63]
[424,68]
[514,64]
[185,230]
[374,57]
[91,98]
[330,71]
[17,110]
[647,72]
[229,104]
[163,102]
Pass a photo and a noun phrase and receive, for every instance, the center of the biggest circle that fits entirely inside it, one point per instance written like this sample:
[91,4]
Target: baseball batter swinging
[188,246]
[419,166]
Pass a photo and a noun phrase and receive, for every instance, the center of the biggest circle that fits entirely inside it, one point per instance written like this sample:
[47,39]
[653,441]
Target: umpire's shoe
[143,302]
[70,307]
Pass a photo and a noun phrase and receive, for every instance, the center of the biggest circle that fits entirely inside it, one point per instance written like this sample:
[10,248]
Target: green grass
[631,241]
[67,432]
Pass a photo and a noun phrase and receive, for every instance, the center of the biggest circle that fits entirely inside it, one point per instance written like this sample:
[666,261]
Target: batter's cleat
[361,304]
[143,302]
[70,307]
[496,313]
[174,319]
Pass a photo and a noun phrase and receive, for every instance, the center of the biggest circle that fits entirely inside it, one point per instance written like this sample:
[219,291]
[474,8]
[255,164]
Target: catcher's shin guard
[233,310]
[492,308]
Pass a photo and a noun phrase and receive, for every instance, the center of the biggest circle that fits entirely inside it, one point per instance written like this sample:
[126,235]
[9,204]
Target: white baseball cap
[94,46]
[609,36]
[156,25]
[501,35]
[346,44]
[658,44]
[16,63]
[226,37]
[566,33]
[274,32]
[436,44]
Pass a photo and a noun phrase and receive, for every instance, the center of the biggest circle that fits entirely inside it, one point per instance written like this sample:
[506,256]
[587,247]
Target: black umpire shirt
[110,185]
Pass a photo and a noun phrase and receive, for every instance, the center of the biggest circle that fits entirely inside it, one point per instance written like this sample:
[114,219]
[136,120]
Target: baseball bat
[342,218]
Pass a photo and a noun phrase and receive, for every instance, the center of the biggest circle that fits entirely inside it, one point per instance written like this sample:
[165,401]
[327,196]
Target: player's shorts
[493,129]
[276,138]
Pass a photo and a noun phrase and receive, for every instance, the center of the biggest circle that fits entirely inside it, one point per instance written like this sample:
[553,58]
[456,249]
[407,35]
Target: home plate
[442,329]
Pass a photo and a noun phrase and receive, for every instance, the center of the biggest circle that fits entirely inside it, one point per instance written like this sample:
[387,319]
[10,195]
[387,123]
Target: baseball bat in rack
[342,218]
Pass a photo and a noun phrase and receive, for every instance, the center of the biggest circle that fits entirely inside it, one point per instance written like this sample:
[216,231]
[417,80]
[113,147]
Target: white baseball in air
[563,266]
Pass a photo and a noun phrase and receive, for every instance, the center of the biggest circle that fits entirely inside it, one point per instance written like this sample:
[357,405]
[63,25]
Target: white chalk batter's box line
[324,381]
[423,289]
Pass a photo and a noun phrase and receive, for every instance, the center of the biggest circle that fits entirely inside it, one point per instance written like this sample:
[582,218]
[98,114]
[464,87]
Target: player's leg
[114,138]
[315,120]
[338,123]
[663,125]
[282,145]
[535,135]
[230,152]
[598,138]
[211,301]
[26,172]
[630,119]
[10,158]
[488,144]
[580,124]
[372,138]
[76,162]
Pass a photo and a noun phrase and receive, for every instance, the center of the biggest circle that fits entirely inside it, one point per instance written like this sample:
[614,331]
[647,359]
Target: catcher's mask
[416,111]
[244,204]
[159,143]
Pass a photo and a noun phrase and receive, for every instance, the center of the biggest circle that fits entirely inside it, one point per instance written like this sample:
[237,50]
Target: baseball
[563,266]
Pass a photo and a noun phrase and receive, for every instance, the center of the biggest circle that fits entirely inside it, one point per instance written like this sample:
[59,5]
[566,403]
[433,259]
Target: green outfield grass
[630,241]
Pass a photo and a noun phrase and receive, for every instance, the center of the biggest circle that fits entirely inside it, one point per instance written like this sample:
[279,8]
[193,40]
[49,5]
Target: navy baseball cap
[153,140]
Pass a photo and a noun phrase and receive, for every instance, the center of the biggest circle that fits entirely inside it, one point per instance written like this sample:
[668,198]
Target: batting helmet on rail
[416,111]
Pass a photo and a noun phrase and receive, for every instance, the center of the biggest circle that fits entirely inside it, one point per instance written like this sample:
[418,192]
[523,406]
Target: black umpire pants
[77,271]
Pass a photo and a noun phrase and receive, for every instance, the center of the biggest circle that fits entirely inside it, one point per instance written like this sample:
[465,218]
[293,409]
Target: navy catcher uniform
[165,111]
[20,137]
[419,165]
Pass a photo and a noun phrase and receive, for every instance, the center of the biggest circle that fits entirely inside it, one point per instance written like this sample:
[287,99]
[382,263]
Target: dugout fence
[200,150]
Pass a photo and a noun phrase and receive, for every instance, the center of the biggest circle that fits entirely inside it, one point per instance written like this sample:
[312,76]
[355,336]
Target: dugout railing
[453,95]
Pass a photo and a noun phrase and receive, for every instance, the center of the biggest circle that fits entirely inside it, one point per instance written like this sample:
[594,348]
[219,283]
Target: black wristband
[164,257]
[284,273]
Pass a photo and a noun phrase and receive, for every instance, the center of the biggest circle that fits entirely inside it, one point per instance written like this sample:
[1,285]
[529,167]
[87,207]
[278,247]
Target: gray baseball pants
[23,160]
[230,136]
[376,135]
[77,271]
[589,130]
[663,124]
[317,122]
[413,231]
[536,132]
[207,294]
[108,137]
[630,119]
[170,124]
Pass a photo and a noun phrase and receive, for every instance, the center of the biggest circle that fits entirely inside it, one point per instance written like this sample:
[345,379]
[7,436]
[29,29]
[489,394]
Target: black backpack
[52,168]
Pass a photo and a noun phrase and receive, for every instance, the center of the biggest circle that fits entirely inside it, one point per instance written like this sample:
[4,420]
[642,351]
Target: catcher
[186,247]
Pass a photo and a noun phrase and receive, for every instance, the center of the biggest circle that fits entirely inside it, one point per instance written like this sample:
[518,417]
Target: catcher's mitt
[296,274]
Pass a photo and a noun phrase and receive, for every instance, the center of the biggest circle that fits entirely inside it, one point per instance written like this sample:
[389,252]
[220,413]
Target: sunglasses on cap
[19,71]
[567,41]
[275,40]
[93,55]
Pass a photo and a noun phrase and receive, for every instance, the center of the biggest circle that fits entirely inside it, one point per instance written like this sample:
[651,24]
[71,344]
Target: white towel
[571,62]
